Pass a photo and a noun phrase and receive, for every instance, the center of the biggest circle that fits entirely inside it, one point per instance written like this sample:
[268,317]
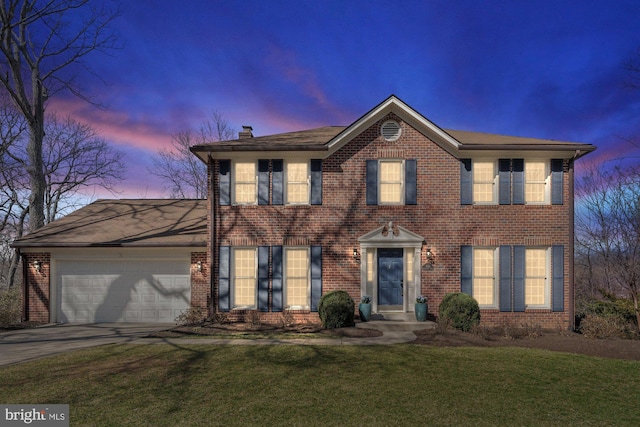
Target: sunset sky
[546,69]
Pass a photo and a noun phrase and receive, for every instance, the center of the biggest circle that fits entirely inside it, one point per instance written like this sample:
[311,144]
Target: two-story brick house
[391,206]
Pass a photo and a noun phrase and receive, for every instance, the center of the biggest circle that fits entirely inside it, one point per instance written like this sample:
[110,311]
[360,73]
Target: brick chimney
[246,132]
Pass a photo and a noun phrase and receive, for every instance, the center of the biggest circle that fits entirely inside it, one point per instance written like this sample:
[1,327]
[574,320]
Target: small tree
[608,228]
[183,174]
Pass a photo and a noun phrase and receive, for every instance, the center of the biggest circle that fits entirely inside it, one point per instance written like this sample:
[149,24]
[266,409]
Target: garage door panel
[115,291]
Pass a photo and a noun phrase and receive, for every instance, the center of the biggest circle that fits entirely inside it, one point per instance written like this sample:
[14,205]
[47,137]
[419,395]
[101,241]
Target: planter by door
[421,312]
[365,312]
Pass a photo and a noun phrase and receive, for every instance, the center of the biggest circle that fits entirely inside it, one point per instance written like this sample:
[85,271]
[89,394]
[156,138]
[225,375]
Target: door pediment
[391,235]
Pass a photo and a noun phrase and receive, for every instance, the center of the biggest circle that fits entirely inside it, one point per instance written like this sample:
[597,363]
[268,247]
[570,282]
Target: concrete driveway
[29,344]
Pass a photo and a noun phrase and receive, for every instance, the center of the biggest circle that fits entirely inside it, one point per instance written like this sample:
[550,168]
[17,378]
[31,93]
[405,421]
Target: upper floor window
[297,183]
[536,173]
[391,182]
[244,176]
[511,181]
[484,181]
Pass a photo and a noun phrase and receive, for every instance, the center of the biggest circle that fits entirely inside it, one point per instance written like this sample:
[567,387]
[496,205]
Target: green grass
[205,385]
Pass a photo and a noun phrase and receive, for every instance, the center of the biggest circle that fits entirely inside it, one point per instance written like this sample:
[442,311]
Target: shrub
[10,306]
[336,310]
[193,316]
[598,326]
[461,310]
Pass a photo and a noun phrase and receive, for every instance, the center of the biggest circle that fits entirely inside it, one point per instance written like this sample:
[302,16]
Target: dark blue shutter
[505,278]
[504,181]
[224,180]
[517,181]
[466,182]
[557,267]
[276,278]
[466,269]
[277,176]
[263,182]
[372,182]
[557,181]
[316,276]
[224,273]
[410,182]
[263,278]
[316,181]
[518,277]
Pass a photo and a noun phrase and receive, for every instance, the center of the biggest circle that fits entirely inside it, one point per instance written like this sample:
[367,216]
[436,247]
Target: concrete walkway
[393,332]
[23,345]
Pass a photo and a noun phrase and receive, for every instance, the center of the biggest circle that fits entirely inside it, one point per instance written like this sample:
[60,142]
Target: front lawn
[205,385]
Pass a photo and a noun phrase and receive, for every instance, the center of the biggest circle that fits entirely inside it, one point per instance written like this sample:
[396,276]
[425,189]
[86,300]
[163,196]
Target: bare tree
[77,160]
[183,174]
[43,42]
[608,229]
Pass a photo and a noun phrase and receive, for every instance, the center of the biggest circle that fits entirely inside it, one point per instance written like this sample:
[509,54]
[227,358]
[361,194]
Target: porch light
[199,266]
[37,266]
[430,260]
[356,255]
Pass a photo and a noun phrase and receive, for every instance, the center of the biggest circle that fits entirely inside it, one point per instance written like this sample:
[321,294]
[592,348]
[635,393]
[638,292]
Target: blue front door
[390,277]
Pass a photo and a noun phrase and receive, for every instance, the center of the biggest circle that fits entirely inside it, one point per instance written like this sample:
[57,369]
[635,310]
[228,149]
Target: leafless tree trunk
[76,159]
[183,174]
[39,41]
[608,227]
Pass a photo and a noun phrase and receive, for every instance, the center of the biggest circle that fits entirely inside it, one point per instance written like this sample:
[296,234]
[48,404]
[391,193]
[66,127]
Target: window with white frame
[536,284]
[297,278]
[484,181]
[245,178]
[297,183]
[244,278]
[484,282]
[536,174]
[391,182]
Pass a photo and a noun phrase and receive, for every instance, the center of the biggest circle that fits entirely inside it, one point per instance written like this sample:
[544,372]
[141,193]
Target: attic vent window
[390,130]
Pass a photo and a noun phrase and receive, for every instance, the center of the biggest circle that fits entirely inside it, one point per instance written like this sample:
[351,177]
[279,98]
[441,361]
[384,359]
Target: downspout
[25,288]
[212,224]
[572,308]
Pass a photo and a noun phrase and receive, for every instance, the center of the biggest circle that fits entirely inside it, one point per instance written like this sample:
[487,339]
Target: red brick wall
[199,280]
[36,287]
[438,217]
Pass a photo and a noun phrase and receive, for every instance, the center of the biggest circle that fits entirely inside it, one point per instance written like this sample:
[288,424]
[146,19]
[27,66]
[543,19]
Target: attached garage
[118,261]
[122,290]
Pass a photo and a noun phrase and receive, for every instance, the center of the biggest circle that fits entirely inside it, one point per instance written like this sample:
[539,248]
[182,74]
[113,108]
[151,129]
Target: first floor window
[536,285]
[244,278]
[297,277]
[484,283]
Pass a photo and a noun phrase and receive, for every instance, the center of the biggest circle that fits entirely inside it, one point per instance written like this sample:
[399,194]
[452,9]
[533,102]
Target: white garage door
[122,291]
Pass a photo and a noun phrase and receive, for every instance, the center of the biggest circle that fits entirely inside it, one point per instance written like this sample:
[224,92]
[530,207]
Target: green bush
[10,306]
[598,326]
[618,310]
[460,310]
[336,310]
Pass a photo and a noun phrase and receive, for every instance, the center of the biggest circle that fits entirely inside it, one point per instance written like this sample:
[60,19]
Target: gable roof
[331,138]
[126,223]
